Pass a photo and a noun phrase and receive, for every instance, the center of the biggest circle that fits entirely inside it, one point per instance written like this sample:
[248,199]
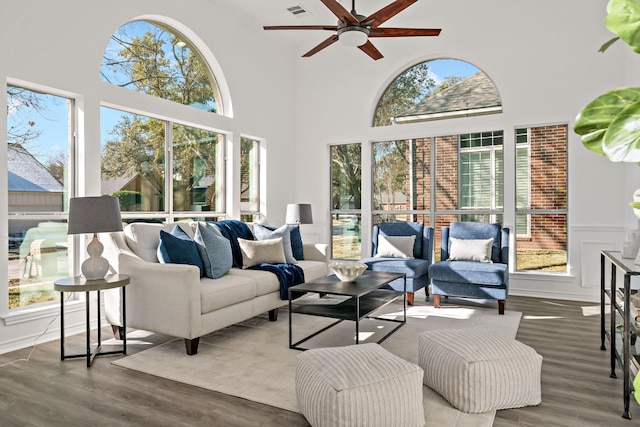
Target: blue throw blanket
[288,274]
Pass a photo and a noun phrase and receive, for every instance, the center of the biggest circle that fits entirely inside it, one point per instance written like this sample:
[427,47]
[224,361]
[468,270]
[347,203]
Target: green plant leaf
[608,44]
[621,142]
[599,113]
[635,205]
[593,141]
[623,19]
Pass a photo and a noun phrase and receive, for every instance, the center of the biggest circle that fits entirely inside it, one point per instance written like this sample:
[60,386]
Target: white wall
[58,47]
[543,58]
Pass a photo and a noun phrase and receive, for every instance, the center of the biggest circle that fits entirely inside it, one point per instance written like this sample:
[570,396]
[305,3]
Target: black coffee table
[363,297]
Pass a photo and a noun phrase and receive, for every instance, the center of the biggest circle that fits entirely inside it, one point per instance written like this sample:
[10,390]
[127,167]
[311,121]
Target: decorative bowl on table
[347,271]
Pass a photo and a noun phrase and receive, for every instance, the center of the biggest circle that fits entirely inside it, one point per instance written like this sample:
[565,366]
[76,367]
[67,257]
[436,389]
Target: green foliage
[127,198]
[346,176]
[404,92]
[610,124]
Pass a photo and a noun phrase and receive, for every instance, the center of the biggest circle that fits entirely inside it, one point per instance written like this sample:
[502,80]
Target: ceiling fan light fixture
[353,36]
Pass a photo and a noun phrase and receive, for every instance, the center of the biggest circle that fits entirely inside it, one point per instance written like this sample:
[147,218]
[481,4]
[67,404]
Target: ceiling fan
[354,29]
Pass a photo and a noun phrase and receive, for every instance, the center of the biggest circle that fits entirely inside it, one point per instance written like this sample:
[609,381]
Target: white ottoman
[358,385]
[477,370]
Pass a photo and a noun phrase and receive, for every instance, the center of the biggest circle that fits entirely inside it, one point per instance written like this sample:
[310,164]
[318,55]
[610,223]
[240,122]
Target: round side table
[80,284]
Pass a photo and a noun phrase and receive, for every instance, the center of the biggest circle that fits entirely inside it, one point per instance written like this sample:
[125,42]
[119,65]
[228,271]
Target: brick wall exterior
[548,190]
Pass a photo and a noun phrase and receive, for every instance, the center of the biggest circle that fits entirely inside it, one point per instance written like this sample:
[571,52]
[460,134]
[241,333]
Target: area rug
[252,360]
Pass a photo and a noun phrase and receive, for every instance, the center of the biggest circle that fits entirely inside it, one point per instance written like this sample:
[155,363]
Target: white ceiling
[274,12]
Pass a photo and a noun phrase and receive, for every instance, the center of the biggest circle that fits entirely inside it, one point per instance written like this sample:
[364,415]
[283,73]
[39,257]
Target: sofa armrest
[162,298]
[316,252]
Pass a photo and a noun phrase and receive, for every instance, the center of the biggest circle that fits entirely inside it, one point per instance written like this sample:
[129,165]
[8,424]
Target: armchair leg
[436,301]
[501,304]
[192,346]
[410,298]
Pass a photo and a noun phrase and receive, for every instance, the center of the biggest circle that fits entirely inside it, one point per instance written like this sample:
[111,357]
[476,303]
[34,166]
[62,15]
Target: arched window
[162,168]
[437,89]
[151,58]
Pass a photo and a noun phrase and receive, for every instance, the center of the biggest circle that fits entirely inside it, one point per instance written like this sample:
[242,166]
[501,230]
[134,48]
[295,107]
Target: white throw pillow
[256,252]
[395,246]
[470,250]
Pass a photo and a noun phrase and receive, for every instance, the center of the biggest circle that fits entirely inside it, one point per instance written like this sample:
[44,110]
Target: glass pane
[548,167]
[437,89]
[39,137]
[153,59]
[345,236]
[346,176]
[197,169]
[546,247]
[401,175]
[133,160]
[249,175]
[446,172]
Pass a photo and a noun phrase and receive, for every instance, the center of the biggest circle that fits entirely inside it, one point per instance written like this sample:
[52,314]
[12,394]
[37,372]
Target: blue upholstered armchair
[415,264]
[460,272]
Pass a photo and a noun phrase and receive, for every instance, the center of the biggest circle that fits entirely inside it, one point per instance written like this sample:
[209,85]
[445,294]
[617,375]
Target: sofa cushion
[214,249]
[402,228]
[470,249]
[395,246]
[412,267]
[480,273]
[225,291]
[263,233]
[178,248]
[266,282]
[143,238]
[255,252]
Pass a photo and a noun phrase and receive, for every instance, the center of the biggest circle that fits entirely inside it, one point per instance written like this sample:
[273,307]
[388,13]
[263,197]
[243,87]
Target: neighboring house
[32,188]
[472,96]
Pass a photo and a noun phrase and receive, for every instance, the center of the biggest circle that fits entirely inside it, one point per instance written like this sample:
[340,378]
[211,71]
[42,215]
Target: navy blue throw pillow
[178,248]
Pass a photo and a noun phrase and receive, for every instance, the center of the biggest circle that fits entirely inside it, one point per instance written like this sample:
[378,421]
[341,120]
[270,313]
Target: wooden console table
[620,301]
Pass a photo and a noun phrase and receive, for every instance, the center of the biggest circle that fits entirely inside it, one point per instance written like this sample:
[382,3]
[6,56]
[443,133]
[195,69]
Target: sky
[53,124]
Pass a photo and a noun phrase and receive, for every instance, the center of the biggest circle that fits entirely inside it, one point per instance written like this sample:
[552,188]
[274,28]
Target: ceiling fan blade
[388,12]
[404,32]
[343,14]
[301,27]
[328,42]
[370,50]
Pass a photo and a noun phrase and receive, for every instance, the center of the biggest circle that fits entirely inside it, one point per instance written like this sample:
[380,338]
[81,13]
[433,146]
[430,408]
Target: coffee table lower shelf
[346,310]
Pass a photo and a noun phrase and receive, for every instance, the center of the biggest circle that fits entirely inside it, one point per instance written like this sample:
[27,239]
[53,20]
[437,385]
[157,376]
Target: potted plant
[610,124]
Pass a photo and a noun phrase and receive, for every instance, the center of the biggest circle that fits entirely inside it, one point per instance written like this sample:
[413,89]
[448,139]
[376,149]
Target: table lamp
[299,213]
[94,215]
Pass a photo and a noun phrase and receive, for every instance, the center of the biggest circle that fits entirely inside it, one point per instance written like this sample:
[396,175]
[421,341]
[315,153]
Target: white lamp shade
[299,213]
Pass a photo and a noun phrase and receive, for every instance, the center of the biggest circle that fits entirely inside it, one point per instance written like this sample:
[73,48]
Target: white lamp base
[95,267]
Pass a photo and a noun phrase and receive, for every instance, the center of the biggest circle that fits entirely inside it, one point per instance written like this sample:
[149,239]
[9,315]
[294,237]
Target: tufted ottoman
[358,385]
[478,371]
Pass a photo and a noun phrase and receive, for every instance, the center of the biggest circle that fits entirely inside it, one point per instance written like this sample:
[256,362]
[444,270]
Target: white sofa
[172,299]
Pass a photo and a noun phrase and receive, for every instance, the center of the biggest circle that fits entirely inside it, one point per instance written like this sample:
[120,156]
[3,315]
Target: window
[437,89]
[151,58]
[134,166]
[541,198]
[346,197]
[249,179]
[39,147]
[481,175]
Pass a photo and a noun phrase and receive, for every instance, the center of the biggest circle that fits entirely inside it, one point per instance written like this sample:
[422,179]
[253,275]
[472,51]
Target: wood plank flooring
[576,388]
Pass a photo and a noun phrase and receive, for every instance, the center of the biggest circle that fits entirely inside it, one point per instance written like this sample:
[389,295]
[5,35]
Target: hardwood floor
[576,388]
